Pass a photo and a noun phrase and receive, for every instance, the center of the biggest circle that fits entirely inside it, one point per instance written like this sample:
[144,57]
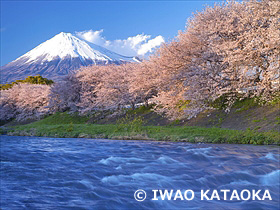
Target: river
[56,173]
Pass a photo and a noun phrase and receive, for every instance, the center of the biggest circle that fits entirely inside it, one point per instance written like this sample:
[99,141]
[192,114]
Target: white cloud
[92,36]
[150,45]
[139,45]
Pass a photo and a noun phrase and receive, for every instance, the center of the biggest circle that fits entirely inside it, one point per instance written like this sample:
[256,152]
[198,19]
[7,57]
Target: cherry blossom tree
[228,49]
[24,101]
[65,95]
[143,81]
[104,87]
[89,78]
[113,91]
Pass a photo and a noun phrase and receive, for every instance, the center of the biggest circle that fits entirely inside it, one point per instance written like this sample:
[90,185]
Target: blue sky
[26,24]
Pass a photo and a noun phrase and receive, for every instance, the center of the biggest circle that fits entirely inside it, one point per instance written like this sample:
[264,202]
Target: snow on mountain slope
[65,44]
[58,56]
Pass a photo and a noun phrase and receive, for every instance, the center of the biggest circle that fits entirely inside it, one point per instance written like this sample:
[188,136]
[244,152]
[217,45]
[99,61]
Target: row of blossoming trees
[227,50]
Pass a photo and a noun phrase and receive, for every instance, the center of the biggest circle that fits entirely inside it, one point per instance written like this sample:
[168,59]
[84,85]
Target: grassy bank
[65,125]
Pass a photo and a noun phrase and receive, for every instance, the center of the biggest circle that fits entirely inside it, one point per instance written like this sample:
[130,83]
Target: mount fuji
[58,56]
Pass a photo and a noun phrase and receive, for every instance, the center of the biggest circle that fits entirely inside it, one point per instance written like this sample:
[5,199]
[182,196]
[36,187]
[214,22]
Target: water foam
[203,150]
[271,178]
[136,177]
[166,160]
[270,156]
[242,182]
[112,160]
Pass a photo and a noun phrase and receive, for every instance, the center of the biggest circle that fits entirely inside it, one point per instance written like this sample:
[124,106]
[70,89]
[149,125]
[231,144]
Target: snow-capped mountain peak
[58,56]
[64,45]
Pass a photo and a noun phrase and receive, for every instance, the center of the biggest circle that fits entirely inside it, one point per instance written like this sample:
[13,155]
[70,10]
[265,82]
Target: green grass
[62,118]
[276,100]
[277,119]
[175,122]
[2,131]
[245,104]
[65,125]
[259,120]
[140,110]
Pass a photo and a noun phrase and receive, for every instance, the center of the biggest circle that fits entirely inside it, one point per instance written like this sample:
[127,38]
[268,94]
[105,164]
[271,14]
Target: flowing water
[53,173]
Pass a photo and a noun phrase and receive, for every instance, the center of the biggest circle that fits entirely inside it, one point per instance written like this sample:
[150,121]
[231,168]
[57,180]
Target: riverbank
[247,123]
[135,131]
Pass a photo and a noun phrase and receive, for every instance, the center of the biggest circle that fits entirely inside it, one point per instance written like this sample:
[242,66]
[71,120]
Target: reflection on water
[44,173]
